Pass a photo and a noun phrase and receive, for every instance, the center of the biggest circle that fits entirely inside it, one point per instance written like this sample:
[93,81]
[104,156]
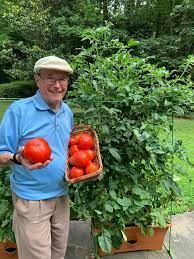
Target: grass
[3,107]
[184,130]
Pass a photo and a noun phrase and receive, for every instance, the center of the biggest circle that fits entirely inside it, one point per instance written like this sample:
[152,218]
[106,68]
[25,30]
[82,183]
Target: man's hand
[27,164]
[5,159]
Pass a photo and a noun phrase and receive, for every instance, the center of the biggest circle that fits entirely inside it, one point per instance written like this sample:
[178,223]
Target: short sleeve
[9,131]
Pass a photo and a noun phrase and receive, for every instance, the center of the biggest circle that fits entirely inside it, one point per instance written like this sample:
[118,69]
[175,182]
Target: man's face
[53,86]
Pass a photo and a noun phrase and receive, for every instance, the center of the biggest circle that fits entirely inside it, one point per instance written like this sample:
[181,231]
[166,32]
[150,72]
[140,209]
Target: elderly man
[40,193]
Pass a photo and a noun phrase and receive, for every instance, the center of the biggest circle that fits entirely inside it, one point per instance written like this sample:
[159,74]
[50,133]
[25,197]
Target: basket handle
[81,126]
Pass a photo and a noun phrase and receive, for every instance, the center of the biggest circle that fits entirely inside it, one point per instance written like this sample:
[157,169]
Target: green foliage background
[32,29]
[18,89]
[130,77]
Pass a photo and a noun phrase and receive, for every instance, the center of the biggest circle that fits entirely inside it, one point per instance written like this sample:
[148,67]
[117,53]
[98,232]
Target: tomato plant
[129,102]
[6,205]
[37,150]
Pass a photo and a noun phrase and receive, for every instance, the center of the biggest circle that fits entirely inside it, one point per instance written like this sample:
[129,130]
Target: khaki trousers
[41,227]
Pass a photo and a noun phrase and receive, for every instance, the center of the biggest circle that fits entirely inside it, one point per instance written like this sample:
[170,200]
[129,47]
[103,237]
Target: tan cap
[52,62]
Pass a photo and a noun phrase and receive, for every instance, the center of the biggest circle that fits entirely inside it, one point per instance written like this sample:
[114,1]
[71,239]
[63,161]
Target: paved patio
[181,241]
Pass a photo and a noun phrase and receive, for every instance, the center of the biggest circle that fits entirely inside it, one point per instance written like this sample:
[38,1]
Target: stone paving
[181,241]
[182,236]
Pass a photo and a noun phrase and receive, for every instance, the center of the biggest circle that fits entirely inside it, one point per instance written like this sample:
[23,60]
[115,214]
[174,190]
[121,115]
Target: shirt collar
[41,104]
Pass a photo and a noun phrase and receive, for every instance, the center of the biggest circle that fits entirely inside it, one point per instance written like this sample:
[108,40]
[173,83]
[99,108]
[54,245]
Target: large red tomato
[73,149]
[37,150]
[73,140]
[91,154]
[76,172]
[91,168]
[79,159]
[85,141]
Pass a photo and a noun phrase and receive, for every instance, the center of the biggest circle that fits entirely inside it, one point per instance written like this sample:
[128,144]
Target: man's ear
[36,78]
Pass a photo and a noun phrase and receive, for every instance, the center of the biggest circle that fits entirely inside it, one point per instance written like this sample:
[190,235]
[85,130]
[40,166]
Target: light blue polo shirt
[29,118]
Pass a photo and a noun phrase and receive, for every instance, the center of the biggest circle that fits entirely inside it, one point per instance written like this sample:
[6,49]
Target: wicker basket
[82,128]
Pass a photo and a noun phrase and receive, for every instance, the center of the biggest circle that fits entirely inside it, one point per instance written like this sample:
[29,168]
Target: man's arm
[7,159]
[9,133]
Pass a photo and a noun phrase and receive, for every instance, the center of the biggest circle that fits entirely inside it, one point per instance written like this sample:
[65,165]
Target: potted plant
[130,104]
[7,240]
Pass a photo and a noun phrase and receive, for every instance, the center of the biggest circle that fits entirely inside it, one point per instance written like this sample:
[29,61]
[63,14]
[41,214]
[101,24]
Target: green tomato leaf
[114,152]
[125,202]
[151,232]
[98,212]
[108,207]
[113,195]
[105,241]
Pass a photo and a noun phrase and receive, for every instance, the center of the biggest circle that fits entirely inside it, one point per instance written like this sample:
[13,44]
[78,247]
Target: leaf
[98,212]
[159,151]
[144,136]
[136,133]
[178,110]
[151,231]
[114,152]
[180,168]
[132,42]
[77,197]
[105,129]
[141,192]
[108,206]
[167,103]
[162,220]
[113,195]
[142,203]
[116,206]
[95,85]
[105,241]
[166,185]
[5,222]
[124,202]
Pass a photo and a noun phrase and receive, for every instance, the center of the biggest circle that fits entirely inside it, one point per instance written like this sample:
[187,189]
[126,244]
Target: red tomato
[79,159]
[91,154]
[76,172]
[71,160]
[37,150]
[73,140]
[73,149]
[85,141]
[91,168]
[76,136]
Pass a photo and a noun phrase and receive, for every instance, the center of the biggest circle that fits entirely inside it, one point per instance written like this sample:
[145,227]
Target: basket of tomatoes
[84,160]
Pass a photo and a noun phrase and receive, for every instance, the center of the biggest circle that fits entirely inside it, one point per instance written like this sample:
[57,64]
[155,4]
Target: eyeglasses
[52,81]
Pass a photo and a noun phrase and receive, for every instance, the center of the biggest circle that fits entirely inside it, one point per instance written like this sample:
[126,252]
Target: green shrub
[17,89]
[6,206]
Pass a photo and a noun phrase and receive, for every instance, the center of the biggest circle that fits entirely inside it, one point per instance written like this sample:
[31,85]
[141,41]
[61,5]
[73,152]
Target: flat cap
[52,62]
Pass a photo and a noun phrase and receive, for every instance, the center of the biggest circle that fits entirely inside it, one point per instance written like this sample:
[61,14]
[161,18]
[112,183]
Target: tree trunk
[105,10]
